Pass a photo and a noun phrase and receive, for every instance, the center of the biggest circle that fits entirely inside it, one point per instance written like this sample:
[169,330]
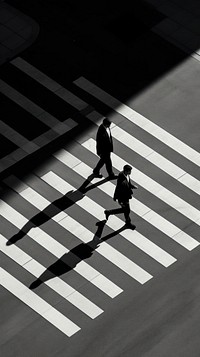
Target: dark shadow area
[70,260]
[59,205]
[130,25]
[111,44]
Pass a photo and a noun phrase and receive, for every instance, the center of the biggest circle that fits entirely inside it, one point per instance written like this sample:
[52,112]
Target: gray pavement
[180,26]
[158,318]
[17,32]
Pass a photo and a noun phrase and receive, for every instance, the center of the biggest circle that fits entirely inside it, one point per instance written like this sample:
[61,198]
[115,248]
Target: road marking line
[141,121]
[37,304]
[133,116]
[156,159]
[149,154]
[55,248]
[142,149]
[96,210]
[80,231]
[152,186]
[46,118]
[138,207]
[56,284]
[49,83]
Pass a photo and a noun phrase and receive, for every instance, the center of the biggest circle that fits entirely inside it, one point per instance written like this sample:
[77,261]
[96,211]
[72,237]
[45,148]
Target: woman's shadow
[69,260]
[55,207]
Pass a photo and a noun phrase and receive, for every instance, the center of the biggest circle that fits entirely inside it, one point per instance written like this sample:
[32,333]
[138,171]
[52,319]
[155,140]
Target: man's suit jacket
[104,141]
[123,190]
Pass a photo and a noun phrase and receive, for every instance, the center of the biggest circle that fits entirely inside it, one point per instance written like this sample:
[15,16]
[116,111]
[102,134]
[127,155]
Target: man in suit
[104,147]
[123,193]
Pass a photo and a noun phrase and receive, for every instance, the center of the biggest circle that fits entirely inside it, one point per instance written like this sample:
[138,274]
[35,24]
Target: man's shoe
[106,214]
[130,225]
[97,174]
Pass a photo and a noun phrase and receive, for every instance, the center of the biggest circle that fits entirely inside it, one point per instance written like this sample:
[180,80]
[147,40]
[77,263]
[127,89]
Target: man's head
[127,169]
[106,122]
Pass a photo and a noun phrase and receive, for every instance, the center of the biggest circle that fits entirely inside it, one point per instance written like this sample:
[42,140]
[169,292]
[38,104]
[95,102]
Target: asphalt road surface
[72,284]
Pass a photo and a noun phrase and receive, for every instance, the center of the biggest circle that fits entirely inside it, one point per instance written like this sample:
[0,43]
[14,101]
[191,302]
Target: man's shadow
[69,260]
[55,207]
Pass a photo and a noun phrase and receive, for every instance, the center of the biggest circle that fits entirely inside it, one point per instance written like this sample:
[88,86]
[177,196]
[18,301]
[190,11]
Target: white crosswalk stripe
[136,206]
[49,83]
[58,285]
[118,133]
[152,186]
[149,154]
[77,229]
[155,158]
[55,248]
[23,146]
[34,109]
[138,119]
[37,304]
[115,223]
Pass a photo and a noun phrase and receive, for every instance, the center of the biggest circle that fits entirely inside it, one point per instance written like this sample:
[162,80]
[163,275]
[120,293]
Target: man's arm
[99,141]
[132,185]
[119,186]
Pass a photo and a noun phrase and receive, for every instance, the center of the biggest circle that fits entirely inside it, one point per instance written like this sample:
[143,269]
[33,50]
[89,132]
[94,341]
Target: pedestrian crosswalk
[53,210]
[156,159]
[31,299]
[152,186]
[27,141]
[115,223]
[138,119]
[138,207]
[58,250]
[56,284]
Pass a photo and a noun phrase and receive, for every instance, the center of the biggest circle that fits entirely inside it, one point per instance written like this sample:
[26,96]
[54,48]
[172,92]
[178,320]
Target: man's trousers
[125,208]
[104,159]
